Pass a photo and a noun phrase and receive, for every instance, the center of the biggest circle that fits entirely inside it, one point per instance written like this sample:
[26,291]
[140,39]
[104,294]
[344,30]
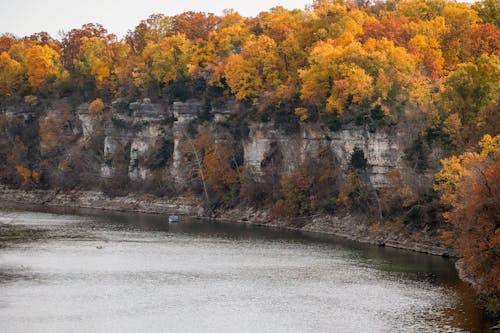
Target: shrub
[312,188]
[358,160]
[96,106]
[159,155]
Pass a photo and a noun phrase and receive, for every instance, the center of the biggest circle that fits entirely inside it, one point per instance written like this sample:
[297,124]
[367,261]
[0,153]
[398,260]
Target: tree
[217,163]
[194,25]
[488,11]
[138,39]
[355,86]
[258,68]
[231,34]
[52,131]
[395,29]
[312,188]
[167,60]
[129,69]
[6,42]
[43,38]
[11,75]
[19,150]
[279,23]
[428,55]
[44,67]
[421,10]
[469,185]
[73,40]
[345,75]
[159,27]
[120,161]
[152,30]
[469,90]
[358,160]
[96,106]
[485,39]
[30,177]
[94,61]
[460,19]
[19,50]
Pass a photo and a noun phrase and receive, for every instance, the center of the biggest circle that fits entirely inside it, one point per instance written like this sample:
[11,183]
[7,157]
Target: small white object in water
[173,218]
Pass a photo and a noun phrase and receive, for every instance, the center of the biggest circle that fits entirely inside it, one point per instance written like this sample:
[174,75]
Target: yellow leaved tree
[256,69]
[11,74]
[44,67]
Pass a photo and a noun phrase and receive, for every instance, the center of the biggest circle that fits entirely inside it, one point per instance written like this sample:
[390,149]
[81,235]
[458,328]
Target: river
[92,271]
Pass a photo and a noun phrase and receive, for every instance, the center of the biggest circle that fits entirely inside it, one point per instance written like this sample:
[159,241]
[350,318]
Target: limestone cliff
[143,125]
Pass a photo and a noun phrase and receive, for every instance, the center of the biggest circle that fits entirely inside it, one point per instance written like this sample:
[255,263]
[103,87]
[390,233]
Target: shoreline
[356,228]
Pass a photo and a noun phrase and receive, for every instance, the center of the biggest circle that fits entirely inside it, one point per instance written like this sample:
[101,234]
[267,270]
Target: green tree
[488,11]
[468,93]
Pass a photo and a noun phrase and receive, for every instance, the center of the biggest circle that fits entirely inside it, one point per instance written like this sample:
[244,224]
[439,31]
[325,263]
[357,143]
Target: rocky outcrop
[184,113]
[86,120]
[383,149]
[146,110]
[139,125]
[142,141]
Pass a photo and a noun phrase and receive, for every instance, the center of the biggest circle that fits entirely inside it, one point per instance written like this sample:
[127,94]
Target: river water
[88,271]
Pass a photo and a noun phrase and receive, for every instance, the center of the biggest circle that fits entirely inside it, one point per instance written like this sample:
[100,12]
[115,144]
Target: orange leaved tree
[470,186]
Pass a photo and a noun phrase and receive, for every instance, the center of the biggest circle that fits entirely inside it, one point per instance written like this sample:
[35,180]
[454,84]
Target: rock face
[140,125]
[383,150]
[85,118]
[184,113]
[137,126]
[258,144]
[145,109]
[141,143]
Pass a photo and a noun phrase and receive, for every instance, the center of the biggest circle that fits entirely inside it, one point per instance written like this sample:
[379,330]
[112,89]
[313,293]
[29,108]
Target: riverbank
[353,227]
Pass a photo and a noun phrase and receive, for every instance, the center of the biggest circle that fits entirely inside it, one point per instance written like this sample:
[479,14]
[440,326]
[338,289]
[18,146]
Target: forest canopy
[431,60]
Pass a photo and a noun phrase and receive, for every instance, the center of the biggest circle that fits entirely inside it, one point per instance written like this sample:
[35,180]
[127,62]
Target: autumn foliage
[96,106]
[43,66]
[11,74]
[333,57]
[29,177]
[311,189]
[470,185]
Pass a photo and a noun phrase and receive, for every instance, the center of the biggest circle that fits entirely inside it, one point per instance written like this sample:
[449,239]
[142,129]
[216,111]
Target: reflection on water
[93,271]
